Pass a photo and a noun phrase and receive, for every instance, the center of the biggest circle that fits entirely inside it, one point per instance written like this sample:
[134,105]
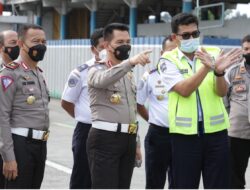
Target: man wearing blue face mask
[198,121]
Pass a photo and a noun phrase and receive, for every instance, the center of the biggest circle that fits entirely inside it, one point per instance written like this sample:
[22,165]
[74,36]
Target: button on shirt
[76,92]
[152,88]
[171,75]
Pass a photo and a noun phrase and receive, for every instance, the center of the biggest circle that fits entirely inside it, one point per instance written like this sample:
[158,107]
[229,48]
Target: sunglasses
[186,35]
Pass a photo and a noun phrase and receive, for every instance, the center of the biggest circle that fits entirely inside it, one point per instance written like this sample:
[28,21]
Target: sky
[241,9]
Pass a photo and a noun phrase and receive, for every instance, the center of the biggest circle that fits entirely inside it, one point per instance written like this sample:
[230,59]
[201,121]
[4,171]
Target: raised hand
[225,60]
[205,58]
[141,58]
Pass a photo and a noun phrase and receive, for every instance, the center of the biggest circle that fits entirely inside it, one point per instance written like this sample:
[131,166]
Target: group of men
[188,122]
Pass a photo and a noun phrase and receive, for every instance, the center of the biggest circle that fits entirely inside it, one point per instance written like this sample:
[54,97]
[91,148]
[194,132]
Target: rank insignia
[12,65]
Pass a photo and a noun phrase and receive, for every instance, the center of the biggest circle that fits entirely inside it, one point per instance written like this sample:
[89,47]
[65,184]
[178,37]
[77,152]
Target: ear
[173,36]
[93,50]
[20,43]
[105,44]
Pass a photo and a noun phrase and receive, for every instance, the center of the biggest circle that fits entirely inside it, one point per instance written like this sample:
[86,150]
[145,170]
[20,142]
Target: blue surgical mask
[190,45]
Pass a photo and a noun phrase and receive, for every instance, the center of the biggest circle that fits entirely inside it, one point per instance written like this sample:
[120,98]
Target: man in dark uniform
[24,114]
[9,51]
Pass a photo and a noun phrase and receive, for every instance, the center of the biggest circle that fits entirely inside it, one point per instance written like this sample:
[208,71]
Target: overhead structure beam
[132,16]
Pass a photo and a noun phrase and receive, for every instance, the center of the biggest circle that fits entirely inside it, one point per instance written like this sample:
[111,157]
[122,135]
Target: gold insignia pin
[115,98]
[160,97]
[242,69]
[31,99]
[26,77]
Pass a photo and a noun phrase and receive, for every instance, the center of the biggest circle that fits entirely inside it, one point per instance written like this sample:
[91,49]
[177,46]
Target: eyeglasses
[186,35]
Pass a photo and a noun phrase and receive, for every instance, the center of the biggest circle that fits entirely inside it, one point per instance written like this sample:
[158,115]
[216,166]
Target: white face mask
[190,45]
[103,55]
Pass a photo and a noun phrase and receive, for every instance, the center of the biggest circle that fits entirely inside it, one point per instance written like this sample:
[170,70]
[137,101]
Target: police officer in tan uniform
[239,115]
[24,114]
[111,144]
[9,48]
[9,51]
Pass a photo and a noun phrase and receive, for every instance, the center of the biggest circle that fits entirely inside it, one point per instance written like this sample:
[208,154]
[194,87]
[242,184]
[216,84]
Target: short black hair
[95,36]
[245,39]
[183,19]
[166,39]
[24,28]
[108,30]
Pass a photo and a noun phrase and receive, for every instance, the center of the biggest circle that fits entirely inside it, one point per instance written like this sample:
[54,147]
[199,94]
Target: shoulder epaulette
[98,66]
[12,65]
[82,67]
[152,71]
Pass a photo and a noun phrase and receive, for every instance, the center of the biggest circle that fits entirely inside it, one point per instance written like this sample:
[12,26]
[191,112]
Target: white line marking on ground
[63,125]
[58,167]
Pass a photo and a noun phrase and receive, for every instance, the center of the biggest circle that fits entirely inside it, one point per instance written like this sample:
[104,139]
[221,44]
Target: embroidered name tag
[184,71]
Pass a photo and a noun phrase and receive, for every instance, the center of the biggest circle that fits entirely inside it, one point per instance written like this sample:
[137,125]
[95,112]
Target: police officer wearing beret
[111,144]
[75,100]
[24,114]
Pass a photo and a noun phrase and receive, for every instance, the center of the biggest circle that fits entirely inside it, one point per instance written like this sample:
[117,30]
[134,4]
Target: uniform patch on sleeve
[6,82]
[163,67]
[141,84]
[72,82]
[82,67]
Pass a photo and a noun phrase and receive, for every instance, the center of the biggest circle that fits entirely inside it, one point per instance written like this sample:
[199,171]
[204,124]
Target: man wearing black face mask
[9,51]
[24,114]
[111,144]
[239,79]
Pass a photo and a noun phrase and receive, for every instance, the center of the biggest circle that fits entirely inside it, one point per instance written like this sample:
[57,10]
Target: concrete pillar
[39,15]
[63,20]
[92,6]
[132,17]
[92,21]
[186,6]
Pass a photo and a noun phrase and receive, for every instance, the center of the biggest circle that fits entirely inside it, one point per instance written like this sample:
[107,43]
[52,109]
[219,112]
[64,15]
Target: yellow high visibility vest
[183,111]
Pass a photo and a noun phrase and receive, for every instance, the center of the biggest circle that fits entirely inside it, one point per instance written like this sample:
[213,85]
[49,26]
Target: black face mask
[122,52]
[247,58]
[37,52]
[13,52]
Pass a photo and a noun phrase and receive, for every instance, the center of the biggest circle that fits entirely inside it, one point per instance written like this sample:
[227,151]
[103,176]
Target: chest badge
[242,70]
[31,99]
[160,97]
[115,98]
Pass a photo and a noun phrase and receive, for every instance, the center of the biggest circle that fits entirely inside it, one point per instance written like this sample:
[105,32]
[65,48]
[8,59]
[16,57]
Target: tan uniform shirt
[239,80]
[103,83]
[17,84]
